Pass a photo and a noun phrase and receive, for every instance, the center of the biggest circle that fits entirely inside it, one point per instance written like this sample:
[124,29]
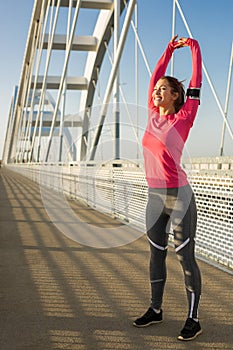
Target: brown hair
[176,86]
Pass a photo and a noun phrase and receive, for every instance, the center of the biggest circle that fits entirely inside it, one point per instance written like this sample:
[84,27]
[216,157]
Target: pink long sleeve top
[165,136]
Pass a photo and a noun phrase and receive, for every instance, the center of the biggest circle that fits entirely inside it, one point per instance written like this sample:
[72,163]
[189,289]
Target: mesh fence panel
[120,189]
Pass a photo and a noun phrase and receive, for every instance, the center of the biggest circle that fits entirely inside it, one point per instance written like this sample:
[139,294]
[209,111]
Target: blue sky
[210,22]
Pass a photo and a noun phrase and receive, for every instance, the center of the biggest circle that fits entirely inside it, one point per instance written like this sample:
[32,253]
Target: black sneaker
[150,317]
[191,330]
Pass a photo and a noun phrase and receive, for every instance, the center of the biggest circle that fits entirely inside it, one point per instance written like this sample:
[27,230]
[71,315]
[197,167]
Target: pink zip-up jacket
[165,136]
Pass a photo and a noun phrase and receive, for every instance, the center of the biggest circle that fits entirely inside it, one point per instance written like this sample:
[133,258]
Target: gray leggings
[173,208]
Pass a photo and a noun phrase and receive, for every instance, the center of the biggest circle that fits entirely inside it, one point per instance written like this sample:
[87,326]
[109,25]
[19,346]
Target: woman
[170,198]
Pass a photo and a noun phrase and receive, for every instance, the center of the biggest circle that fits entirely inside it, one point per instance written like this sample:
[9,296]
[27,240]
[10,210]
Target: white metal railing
[120,190]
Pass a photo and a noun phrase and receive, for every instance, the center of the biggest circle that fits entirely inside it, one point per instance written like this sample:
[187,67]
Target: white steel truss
[36,111]
[37,83]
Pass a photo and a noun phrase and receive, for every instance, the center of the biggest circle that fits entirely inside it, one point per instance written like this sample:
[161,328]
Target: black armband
[193,93]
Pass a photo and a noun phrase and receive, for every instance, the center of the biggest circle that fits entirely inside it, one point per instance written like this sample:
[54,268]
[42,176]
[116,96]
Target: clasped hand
[181,42]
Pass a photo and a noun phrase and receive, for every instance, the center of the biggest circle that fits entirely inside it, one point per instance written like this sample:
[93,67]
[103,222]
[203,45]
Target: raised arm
[193,92]
[196,78]
[159,71]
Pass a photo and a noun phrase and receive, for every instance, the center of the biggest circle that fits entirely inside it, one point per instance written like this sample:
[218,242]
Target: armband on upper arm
[193,93]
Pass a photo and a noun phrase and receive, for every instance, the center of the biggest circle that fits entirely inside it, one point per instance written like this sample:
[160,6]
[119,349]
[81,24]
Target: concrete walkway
[58,294]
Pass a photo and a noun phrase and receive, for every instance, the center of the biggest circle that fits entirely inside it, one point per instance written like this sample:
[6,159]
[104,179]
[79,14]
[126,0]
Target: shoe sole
[187,339]
[146,325]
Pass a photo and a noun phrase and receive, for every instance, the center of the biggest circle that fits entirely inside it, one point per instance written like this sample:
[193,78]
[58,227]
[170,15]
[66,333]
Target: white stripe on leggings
[156,281]
[182,245]
[192,305]
[156,245]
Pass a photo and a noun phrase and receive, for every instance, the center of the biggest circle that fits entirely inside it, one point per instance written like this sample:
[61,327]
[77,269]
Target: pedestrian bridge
[74,255]
[67,127]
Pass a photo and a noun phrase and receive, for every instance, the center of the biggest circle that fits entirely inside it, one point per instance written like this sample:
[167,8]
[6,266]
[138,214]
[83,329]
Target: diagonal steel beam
[207,76]
[63,76]
[112,78]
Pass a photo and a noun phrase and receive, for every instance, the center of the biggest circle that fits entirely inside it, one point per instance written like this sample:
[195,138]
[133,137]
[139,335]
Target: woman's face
[162,95]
